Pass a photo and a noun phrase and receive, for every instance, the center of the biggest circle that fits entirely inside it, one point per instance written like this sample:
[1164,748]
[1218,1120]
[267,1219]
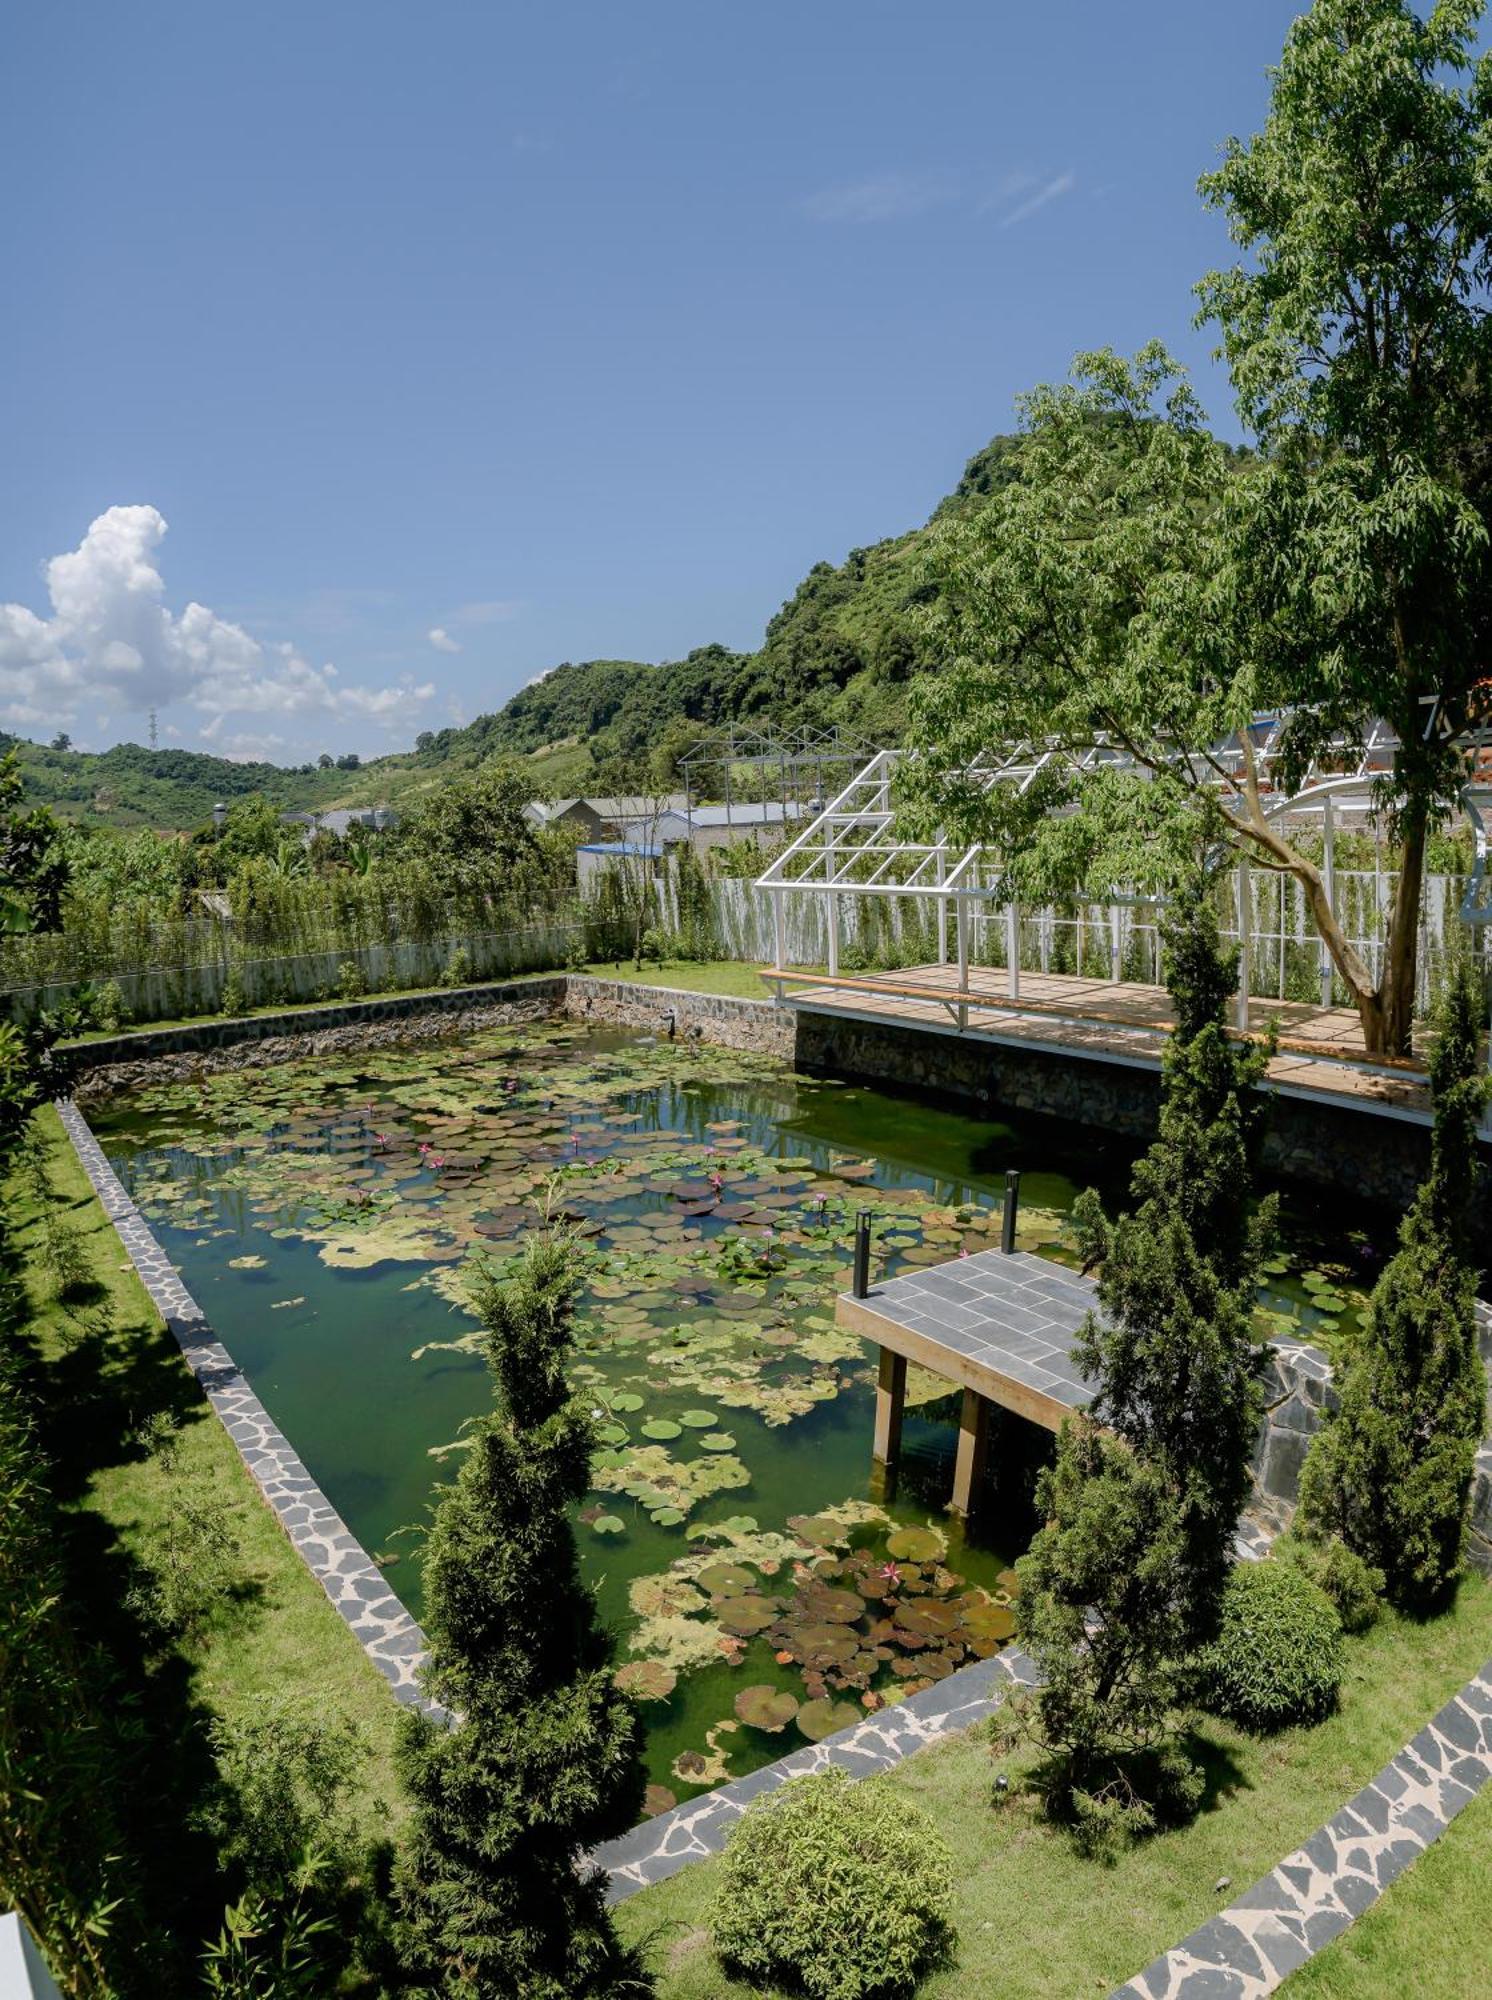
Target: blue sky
[559,332]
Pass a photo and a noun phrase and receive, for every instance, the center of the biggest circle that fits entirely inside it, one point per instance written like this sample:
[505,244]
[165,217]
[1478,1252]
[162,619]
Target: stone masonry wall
[756,1025]
[265,1040]
[1360,1153]
[261,1041]
[1298,1396]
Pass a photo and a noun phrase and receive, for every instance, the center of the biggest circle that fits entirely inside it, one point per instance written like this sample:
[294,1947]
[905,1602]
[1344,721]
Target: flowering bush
[839,1890]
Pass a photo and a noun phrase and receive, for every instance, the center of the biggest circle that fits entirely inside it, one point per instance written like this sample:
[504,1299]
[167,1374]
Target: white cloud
[880,198]
[442,641]
[111,637]
[1041,193]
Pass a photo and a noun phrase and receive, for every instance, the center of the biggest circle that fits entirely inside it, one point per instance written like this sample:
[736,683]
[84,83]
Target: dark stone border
[1319,1891]
[700,1827]
[344,1569]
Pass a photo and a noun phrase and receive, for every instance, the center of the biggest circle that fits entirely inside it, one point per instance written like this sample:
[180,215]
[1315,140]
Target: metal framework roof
[853,847]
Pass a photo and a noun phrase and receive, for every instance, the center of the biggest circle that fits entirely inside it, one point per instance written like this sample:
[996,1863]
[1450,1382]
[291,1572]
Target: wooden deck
[998,1325]
[1318,1054]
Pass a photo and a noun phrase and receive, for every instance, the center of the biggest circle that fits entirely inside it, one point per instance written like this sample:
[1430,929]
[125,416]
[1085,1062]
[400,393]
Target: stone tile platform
[1001,1325]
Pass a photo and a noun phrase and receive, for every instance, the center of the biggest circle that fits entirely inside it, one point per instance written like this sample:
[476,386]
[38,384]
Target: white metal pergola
[853,847]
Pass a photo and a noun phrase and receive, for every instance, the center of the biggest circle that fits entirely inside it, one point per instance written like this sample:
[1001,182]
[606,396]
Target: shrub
[457,970]
[194,1569]
[283,1776]
[351,984]
[1277,1658]
[233,999]
[839,1890]
[1355,1587]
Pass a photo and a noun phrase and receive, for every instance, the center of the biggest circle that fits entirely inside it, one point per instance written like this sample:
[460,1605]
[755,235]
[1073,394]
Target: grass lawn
[729,976]
[1428,1934]
[274,1634]
[1035,1919]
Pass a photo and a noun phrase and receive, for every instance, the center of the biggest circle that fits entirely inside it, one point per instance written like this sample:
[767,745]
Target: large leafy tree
[541,1761]
[1357,336]
[1391,1473]
[1136,585]
[1124,1581]
[474,833]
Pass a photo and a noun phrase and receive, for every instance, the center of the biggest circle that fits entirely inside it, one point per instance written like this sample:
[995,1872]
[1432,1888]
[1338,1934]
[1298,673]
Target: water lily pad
[626,1400]
[915,1544]
[661,1428]
[718,1441]
[697,1420]
[608,1524]
[818,1719]
[725,1579]
[646,1680]
[765,1707]
[667,1517]
[746,1616]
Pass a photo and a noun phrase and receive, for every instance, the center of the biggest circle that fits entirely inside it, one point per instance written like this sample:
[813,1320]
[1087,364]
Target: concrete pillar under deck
[891,1400]
[973,1445]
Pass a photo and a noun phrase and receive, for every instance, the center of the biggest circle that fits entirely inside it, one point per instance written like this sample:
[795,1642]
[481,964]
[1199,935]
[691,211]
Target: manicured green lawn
[729,976]
[278,1634]
[1427,1935]
[1035,1919]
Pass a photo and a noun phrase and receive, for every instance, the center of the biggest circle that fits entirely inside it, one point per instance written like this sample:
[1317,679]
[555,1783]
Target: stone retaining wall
[1359,1153]
[1299,1394]
[263,1041]
[734,1023]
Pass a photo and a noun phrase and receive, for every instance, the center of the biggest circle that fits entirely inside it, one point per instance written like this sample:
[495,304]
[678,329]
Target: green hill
[843,649]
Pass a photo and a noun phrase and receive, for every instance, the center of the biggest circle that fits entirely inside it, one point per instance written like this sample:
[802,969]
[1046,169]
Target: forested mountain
[841,650]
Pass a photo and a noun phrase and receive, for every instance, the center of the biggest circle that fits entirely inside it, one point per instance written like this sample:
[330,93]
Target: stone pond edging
[344,1569]
[260,1041]
[1249,1949]
[727,1019]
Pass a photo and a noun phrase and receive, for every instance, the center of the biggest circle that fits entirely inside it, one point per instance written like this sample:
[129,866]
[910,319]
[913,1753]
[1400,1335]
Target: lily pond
[762,1593]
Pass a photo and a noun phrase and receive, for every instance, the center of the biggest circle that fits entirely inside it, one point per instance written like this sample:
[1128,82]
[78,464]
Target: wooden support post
[942,907]
[891,1401]
[1116,948]
[973,1444]
[1329,882]
[1245,925]
[779,931]
[1013,950]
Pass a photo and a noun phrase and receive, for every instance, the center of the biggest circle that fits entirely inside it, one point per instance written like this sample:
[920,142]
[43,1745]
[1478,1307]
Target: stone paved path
[1249,1949]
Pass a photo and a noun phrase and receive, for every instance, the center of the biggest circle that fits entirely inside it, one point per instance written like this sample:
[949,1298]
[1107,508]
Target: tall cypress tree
[1391,1473]
[1123,1582]
[1172,1347]
[542,1760]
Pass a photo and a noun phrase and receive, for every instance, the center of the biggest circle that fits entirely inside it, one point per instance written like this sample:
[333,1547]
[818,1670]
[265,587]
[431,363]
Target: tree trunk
[1401,949]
